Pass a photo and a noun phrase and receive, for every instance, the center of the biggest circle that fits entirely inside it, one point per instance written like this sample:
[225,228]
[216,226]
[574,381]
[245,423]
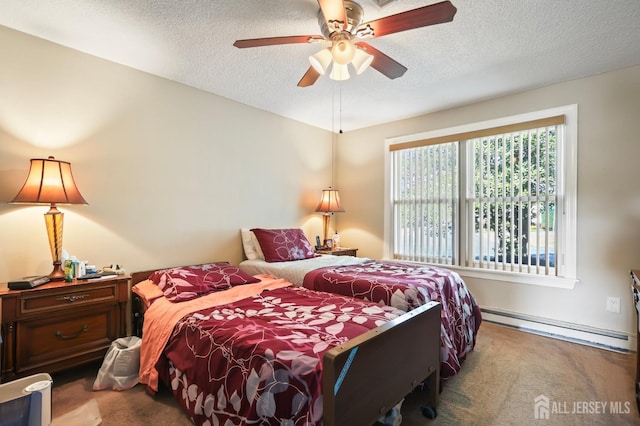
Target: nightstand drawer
[60,325]
[80,334]
[66,298]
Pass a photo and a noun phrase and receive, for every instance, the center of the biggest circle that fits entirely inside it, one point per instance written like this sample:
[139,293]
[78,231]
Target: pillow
[281,245]
[188,282]
[251,245]
[148,292]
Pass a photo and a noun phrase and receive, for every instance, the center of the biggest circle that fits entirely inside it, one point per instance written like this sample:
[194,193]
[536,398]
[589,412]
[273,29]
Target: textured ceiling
[491,48]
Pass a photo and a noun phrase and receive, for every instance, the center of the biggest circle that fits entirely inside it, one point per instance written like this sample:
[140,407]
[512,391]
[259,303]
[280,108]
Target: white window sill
[513,277]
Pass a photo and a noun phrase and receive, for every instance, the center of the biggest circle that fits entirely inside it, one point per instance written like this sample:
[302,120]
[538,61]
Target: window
[497,199]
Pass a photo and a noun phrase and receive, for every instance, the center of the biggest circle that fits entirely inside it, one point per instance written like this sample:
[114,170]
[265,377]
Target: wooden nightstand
[341,251]
[59,325]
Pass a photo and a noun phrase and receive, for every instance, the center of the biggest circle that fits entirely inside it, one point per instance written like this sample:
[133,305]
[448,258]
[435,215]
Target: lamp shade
[361,60]
[330,202]
[343,51]
[321,61]
[49,182]
[339,72]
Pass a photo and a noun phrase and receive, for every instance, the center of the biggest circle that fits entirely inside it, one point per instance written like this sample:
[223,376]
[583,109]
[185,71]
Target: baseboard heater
[591,336]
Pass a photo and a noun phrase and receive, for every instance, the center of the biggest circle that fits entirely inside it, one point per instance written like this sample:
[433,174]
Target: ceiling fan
[341,24]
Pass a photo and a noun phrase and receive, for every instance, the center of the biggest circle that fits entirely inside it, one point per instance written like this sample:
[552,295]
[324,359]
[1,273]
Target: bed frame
[392,359]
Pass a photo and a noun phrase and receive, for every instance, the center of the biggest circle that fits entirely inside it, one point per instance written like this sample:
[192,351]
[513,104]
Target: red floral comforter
[259,360]
[407,286]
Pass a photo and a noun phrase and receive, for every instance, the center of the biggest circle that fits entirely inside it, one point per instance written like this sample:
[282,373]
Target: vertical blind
[506,179]
[426,203]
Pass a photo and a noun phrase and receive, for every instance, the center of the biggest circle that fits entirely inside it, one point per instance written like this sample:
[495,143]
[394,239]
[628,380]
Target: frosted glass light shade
[321,61]
[339,72]
[343,51]
[361,60]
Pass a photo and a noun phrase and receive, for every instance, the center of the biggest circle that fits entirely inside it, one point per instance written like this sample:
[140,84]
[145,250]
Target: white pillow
[251,245]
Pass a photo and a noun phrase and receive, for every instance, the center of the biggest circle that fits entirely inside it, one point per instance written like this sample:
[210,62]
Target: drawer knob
[73,298]
[59,334]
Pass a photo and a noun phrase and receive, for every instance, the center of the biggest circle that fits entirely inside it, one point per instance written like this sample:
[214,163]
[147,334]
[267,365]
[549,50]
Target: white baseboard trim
[590,336]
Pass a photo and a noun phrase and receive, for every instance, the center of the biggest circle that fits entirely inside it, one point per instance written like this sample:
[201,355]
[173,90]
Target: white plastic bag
[121,365]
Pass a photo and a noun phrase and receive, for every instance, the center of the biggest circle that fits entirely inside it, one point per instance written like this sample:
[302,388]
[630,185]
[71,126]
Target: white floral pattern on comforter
[407,286]
[259,360]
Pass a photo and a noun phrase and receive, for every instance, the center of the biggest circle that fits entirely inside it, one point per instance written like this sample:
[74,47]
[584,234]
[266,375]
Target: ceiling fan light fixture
[341,22]
[343,51]
[321,61]
[339,72]
[361,60]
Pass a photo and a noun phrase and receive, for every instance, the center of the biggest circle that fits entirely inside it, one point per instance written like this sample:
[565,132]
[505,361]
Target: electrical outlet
[613,304]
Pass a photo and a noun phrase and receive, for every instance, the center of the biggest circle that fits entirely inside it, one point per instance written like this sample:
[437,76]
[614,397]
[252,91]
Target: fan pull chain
[333,109]
[340,109]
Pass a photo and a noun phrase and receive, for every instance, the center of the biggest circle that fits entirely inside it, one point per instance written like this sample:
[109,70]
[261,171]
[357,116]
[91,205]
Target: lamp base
[326,217]
[53,219]
[58,273]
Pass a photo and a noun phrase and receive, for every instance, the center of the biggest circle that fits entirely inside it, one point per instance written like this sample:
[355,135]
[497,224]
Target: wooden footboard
[368,375]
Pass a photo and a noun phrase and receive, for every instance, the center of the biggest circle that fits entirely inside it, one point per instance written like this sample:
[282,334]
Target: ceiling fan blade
[421,17]
[334,13]
[309,77]
[271,41]
[383,63]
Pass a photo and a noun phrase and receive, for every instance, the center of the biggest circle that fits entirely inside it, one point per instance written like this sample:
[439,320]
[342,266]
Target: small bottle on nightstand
[336,240]
[68,270]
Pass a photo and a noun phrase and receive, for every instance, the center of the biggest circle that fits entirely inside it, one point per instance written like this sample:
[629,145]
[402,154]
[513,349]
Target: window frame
[566,182]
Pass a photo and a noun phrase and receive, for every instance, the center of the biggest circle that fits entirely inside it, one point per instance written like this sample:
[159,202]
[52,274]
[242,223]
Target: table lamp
[50,181]
[329,203]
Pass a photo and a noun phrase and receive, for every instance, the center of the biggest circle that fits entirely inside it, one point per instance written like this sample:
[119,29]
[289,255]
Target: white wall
[608,195]
[170,172]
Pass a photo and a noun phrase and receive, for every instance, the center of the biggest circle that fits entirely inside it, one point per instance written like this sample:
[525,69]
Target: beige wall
[170,172]
[608,195]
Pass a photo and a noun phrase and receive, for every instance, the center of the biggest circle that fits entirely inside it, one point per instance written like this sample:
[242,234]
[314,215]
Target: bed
[240,349]
[287,253]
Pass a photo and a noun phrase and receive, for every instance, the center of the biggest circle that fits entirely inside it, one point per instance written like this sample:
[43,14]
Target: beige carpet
[497,386]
